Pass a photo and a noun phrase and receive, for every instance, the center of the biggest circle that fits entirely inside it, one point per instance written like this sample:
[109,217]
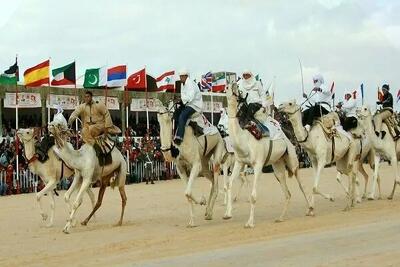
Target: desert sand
[154,232]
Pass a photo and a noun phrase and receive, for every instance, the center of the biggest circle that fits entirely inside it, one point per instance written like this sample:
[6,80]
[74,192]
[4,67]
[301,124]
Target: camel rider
[386,114]
[192,102]
[95,117]
[349,108]
[319,98]
[256,98]
[223,123]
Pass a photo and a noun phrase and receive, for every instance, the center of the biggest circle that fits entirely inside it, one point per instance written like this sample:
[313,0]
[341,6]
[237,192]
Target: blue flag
[362,93]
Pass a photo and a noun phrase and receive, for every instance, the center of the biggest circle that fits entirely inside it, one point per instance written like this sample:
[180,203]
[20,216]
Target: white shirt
[191,95]
[223,122]
[254,91]
[323,97]
[349,107]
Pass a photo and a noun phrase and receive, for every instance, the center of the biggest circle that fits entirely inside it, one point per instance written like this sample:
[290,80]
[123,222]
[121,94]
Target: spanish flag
[37,75]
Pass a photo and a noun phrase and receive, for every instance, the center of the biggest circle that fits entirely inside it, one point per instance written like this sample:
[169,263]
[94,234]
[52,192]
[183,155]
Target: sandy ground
[155,234]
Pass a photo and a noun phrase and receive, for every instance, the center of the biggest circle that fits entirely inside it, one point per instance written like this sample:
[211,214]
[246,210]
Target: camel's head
[59,128]
[164,118]
[363,112]
[28,135]
[290,107]
[232,95]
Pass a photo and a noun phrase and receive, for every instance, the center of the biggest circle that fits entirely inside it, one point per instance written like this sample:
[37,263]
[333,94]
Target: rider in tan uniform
[95,117]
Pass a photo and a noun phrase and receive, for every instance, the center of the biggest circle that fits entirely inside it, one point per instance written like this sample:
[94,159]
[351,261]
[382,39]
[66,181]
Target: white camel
[51,171]
[193,160]
[386,147]
[280,153]
[323,150]
[86,163]
[228,166]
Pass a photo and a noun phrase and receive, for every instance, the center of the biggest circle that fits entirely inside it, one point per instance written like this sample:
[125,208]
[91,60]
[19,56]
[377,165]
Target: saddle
[103,146]
[328,123]
[250,123]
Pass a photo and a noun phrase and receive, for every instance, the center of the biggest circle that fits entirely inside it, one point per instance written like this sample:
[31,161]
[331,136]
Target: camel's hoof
[346,209]
[191,226]
[249,225]
[331,199]
[208,217]
[49,225]
[66,230]
[371,198]
[235,199]
[227,217]
[84,223]
[390,197]
[117,224]
[358,200]
[380,198]
[310,212]
[364,197]
[279,220]
[44,217]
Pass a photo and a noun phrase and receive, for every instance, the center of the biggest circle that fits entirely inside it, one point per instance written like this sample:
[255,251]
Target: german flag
[37,75]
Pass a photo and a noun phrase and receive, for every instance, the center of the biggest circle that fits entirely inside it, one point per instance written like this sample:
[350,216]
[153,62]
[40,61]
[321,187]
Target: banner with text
[112,102]
[139,104]
[66,102]
[25,100]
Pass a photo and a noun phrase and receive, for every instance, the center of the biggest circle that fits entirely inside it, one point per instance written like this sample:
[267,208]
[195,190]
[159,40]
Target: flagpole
[48,96]
[147,105]
[77,104]
[16,121]
[127,120]
[212,109]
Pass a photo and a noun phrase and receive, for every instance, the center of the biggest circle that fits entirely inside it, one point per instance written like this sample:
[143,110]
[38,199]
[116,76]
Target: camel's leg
[98,203]
[356,188]
[253,197]
[379,187]
[213,192]
[320,165]
[76,183]
[371,195]
[52,208]
[182,173]
[123,204]
[194,173]
[49,187]
[92,198]
[237,167]
[279,172]
[393,160]
[239,188]
[85,185]
[310,211]
[225,169]
[365,175]
[340,181]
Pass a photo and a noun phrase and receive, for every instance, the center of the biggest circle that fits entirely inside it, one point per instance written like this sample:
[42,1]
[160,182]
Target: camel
[226,166]
[51,171]
[386,147]
[321,152]
[86,163]
[280,153]
[193,160]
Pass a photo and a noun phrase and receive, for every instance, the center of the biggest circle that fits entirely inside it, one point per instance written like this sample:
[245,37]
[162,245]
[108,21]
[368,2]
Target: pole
[16,122]
[212,109]
[302,77]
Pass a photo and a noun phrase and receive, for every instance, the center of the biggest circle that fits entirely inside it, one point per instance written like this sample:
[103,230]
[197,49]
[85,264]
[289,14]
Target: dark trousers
[313,113]
[183,118]
[349,123]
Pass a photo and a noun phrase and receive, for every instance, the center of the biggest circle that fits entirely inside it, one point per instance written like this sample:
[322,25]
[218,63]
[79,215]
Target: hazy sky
[349,42]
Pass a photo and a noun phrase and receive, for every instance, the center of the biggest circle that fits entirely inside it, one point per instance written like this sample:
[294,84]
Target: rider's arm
[77,112]
[188,94]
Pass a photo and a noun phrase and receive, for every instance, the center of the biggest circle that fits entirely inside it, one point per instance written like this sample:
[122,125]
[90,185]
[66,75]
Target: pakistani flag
[95,78]
[64,75]
[10,76]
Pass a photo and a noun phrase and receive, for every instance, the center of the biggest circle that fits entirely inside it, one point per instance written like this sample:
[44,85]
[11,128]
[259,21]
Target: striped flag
[206,82]
[333,90]
[166,82]
[398,95]
[37,75]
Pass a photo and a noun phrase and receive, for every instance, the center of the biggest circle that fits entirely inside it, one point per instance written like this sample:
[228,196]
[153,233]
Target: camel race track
[154,231]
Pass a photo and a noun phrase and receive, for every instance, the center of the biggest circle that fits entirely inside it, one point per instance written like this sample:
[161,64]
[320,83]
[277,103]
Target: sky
[348,42]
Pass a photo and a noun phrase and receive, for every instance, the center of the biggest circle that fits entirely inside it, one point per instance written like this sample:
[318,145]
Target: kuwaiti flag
[166,82]
[64,75]
[95,78]
[116,76]
[219,82]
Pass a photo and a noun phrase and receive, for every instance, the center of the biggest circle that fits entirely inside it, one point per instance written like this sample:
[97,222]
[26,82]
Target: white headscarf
[249,83]
[318,80]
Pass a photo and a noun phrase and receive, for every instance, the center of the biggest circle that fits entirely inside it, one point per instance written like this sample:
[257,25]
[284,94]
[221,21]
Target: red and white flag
[166,82]
[137,81]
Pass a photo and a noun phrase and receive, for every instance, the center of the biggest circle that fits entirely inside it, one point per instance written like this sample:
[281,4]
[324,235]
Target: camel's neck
[299,131]
[29,147]
[71,156]
[236,133]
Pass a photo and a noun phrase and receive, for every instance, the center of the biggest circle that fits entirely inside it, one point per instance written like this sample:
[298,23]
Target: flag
[362,92]
[64,75]
[380,94]
[116,76]
[398,96]
[219,82]
[206,82]
[37,75]
[10,76]
[166,82]
[137,80]
[354,94]
[95,78]
[333,90]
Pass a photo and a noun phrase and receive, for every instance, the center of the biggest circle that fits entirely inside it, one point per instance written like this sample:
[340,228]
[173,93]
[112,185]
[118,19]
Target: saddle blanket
[202,122]
[275,130]
[228,144]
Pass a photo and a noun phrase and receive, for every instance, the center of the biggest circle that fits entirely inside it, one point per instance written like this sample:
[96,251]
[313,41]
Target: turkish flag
[137,81]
